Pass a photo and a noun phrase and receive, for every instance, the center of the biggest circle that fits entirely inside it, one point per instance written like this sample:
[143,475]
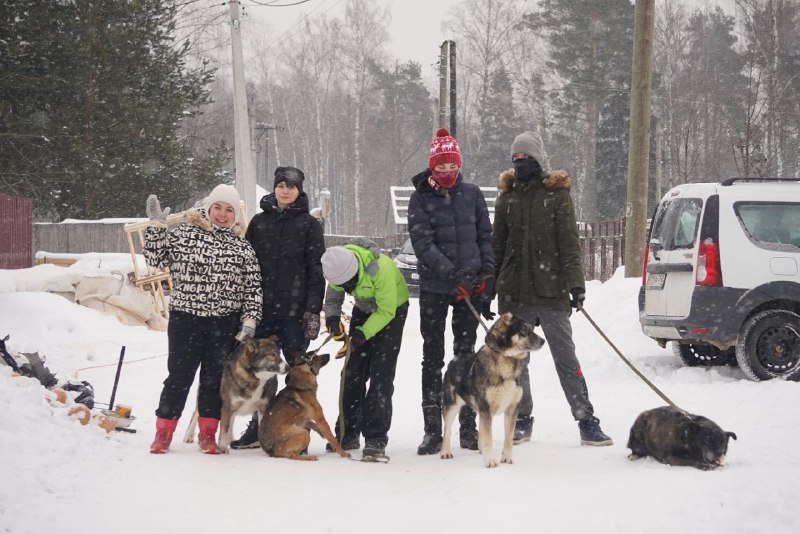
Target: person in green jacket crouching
[376,331]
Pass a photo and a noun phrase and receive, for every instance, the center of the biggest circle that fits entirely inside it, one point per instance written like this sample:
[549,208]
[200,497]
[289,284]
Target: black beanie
[290,175]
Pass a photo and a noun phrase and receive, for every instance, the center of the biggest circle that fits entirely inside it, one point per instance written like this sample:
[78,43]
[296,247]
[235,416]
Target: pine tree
[591,50]
[499,124]
[99,88]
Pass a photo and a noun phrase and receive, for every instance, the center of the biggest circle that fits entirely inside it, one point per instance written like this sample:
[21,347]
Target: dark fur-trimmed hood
[198,218]
[558,179]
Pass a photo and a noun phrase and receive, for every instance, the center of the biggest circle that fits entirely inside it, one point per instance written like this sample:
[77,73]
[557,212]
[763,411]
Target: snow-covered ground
[59,476]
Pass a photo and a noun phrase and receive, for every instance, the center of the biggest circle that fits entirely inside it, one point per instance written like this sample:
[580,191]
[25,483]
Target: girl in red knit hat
[449,226]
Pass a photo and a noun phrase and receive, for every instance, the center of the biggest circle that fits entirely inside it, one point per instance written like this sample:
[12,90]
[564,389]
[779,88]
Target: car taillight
[644,263]
[709,272]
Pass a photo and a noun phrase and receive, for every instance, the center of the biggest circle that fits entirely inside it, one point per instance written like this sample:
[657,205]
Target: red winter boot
[164,430]
[207,436]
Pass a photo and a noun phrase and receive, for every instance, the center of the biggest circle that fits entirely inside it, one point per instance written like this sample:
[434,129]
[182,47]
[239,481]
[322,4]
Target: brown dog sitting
[285,429]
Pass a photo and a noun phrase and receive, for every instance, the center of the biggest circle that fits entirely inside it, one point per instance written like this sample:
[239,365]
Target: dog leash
[476,314]
[627,362]
[325,342]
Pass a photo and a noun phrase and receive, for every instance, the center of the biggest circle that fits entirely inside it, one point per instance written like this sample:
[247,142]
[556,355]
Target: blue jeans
[291,338]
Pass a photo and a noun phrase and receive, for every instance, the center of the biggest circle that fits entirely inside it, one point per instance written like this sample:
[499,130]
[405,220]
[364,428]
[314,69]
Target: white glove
[154,211]
[248,330]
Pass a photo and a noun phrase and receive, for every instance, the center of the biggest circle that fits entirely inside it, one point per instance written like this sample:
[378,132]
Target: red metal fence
[16,232]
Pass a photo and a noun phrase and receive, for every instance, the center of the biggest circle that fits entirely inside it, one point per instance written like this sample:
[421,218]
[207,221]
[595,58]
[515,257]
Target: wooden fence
[603,247]
[603,243]
[16,232]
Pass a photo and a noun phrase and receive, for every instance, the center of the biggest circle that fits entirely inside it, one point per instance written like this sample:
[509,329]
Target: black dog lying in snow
[677,438]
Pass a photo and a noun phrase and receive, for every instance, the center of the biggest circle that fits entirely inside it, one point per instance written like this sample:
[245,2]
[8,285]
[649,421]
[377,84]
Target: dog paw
[447,456]
[506,460]
[634,457]
[490,462]
[345,454]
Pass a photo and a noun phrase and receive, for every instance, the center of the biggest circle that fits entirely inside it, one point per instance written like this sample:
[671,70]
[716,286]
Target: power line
[275,3]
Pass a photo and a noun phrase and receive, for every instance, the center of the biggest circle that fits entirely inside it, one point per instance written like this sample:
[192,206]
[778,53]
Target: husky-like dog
[285,430]
[674,437]
[489,382]
[249,383]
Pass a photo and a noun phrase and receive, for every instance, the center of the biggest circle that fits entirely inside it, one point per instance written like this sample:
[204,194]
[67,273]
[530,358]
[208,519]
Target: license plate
[414,276]
[656,280]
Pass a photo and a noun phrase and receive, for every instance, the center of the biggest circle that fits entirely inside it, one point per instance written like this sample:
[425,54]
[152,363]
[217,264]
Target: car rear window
[675,223]
[775,223]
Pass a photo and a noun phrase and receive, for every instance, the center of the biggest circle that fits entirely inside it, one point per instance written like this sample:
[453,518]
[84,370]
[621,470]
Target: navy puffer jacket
[450,231]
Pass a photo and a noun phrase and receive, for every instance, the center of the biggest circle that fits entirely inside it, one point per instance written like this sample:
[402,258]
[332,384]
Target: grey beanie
[339,265]
[529,143]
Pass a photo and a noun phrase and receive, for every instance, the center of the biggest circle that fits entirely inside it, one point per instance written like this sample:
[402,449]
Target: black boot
[523,429]
[249,438]
[592,434]
[373,448]
[349,443]
[431,444]
[467,432]
[432,440]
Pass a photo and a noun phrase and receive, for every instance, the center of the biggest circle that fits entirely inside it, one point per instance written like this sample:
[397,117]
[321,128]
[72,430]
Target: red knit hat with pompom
[444,149]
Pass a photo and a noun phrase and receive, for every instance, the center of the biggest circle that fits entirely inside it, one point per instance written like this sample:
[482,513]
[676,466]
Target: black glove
[335,328]
[484,287]
[311,325]
[462,283]
[351,344]
[576,296]
[486,310]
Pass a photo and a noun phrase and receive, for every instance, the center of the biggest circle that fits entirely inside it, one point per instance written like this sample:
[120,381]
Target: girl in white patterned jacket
[216,293]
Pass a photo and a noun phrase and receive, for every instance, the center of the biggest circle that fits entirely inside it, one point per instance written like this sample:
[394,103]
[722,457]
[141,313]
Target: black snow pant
[433,320]
[368,411]
[194,341]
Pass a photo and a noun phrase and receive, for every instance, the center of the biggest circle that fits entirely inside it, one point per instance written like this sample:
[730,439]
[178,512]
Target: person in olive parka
[540,275]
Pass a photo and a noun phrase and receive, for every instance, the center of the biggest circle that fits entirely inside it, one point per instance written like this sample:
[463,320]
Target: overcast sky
[415,29]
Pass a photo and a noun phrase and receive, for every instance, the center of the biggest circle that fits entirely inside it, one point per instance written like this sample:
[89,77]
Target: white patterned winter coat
[214,270]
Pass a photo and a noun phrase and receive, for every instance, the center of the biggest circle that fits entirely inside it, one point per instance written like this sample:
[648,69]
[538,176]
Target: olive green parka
[536,247]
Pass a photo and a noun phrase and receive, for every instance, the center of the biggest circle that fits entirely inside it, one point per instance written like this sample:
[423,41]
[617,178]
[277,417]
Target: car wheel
[769,346]
[698,355]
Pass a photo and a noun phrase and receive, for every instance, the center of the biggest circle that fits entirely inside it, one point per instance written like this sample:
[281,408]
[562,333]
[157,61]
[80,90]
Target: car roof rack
[731,181]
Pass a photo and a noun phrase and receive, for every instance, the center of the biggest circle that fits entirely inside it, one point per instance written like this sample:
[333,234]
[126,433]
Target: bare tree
[484,31]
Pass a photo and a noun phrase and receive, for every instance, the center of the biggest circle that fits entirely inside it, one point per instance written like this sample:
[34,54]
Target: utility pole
[441,119]
[639,138]
[451,45]
[262,132]
[245,171]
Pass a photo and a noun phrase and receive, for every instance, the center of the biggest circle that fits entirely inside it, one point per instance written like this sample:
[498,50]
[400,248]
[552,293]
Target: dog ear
[498,333]
[501,325]
[319,361]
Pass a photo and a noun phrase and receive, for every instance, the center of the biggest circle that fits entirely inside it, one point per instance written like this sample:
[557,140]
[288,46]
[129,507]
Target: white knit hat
[339,265]
[224,193]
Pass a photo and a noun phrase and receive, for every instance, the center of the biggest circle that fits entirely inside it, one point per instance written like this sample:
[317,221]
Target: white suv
[721,278]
